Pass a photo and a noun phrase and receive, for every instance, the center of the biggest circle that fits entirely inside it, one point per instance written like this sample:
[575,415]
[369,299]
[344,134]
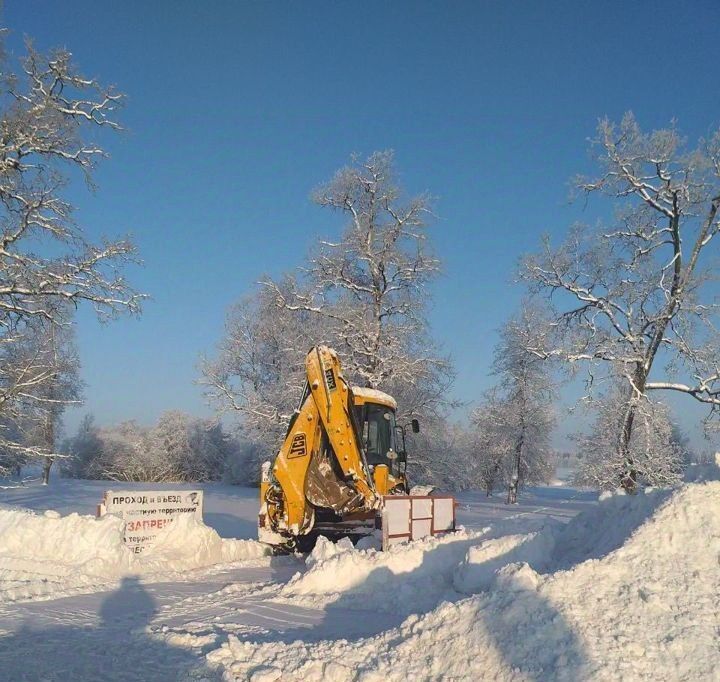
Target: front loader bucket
[411,517]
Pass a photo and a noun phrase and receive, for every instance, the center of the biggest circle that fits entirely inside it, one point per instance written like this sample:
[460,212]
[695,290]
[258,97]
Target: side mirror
[402,457]
[415,426]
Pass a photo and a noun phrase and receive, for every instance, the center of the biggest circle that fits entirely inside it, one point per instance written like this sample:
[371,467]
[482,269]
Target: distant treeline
[178,447]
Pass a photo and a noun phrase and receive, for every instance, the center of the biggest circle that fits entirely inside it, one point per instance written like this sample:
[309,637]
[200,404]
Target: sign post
[147,512]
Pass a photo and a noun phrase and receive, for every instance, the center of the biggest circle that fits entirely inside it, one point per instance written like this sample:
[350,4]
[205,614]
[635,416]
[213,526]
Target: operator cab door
[378,435]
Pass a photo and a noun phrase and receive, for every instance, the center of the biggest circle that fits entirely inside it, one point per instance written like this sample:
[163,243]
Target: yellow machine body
[338,458]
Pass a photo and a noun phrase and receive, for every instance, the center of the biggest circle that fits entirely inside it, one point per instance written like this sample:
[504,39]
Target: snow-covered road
[627,590]
[156,630]
[149,628]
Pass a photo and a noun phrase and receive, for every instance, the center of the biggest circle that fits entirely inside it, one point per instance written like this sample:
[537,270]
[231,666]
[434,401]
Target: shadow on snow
[118,648]
[531,635]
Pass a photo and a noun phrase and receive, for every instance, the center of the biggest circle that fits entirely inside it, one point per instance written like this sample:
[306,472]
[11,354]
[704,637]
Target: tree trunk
[47,465]
[512,490]
[629,476]
[49,442]
[515,478]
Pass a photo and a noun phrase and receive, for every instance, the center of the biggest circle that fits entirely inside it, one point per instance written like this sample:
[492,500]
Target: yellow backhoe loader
[343,456]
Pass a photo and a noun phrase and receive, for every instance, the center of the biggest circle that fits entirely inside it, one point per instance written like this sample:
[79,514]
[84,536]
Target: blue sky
[236,110]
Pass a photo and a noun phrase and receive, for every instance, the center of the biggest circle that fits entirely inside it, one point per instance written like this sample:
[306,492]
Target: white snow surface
[630,590]
[559,587]
[52,555]
[374,395]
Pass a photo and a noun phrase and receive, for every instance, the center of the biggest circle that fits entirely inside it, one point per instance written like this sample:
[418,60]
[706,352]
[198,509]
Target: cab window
[379,434]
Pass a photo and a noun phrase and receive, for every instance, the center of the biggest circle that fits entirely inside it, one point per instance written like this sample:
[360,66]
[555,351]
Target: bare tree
[491,447]
[52,397]
[47,114]
[635,293]
[517,419]
[369,287]
[258,373]
[364,295]
[656,454]
[39,378]
[46,111]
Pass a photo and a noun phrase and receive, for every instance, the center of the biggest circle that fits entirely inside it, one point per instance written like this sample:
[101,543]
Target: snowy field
[559,587]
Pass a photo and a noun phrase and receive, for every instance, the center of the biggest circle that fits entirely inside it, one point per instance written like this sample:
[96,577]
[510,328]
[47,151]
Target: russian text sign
[147,512]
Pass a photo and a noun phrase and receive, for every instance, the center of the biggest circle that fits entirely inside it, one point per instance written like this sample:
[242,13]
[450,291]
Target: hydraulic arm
[321,464]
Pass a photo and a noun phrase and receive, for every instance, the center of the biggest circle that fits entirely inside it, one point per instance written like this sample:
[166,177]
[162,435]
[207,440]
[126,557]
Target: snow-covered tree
[491,448]
[369,285]
[682,444]
[515,422]
[12,458]
[84,450]
[194,449]
[39,378]
[49,118]
[259,372]
[634,297]
[365,295]
[124,456]
[53,396]
[657,456]
[529,393]
[178,448]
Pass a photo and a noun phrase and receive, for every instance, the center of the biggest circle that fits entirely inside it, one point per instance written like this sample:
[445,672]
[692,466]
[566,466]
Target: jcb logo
[330,379]
[298,448]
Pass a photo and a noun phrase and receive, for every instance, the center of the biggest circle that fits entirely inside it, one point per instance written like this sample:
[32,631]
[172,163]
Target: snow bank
[555,546]
[599,531]
[48,554]
[41,553]
[697,473]
[407,578]
[630,591]
[479,568]
[188,543]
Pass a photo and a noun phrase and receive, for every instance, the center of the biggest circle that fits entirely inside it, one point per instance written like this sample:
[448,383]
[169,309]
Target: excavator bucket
[324,487]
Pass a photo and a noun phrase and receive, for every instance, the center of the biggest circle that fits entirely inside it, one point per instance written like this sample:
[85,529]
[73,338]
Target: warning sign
[146,512]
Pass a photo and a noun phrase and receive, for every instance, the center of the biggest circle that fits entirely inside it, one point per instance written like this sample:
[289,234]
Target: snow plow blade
[402,518]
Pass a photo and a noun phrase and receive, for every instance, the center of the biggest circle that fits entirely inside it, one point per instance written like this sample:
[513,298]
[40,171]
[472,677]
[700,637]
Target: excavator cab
[384,449]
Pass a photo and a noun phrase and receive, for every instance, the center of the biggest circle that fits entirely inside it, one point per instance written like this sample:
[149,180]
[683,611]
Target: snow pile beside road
[40,554]
[650,607]
[601,530]
[635,594]
[479,568]
[697,473]
[407,578]
[188,543]
[48,554]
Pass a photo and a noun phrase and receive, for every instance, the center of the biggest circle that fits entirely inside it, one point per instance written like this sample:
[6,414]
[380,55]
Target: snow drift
[630,590]
[188,543]
[406,578]
[49,554]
